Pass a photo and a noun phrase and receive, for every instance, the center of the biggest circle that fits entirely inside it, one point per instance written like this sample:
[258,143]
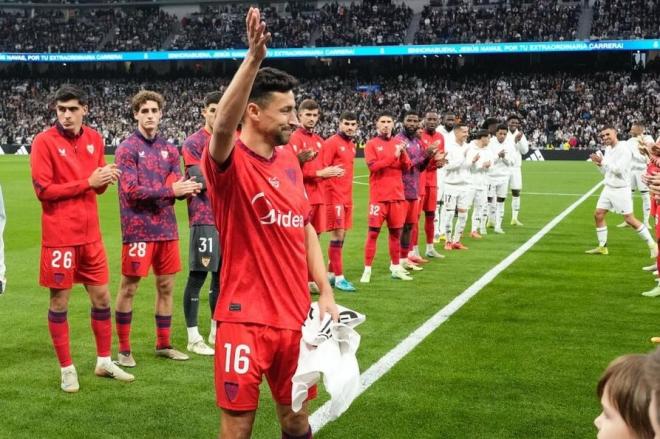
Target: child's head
[652,375]
[625,397]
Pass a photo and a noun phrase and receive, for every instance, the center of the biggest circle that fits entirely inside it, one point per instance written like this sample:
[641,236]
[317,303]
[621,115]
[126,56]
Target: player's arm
[111,168]
[522,145]
[617,164]
[374,163]
[181,186]
[234,101]
[405,162]
[42,177]
[454,160]
[319,274]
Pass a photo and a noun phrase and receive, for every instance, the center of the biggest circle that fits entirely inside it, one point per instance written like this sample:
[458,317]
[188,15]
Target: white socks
[99,361]
[646,206]
[460,226]
[193,334]
[644,233]
[601,233]
[499,213]
[515,207]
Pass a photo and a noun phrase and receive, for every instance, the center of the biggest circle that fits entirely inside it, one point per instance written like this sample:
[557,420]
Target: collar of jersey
[253,154]
[144,139]
[66,134]
[344,136]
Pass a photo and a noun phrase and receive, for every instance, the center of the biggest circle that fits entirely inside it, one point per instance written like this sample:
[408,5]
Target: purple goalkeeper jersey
[146,198]
[199,207]
[419,162]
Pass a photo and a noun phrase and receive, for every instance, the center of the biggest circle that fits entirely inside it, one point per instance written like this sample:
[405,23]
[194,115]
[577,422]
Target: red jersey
[260,211]
[385,169]
[199,207]
[651,169]
[339,150]
[427,139]
[303,140]
[61,165]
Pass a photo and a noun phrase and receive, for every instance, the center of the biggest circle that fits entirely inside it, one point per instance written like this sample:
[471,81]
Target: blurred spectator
[626,19]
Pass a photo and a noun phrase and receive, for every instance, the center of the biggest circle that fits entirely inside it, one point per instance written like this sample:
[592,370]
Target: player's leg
[294,425]
[429,207]
[442,220]
[602,207]
[476,214]
[396,218]
[411,207]
[200,258]
[166,263]
[492,205]
[646,196]
[236,424]
[642,231]
[128,287]
[99,296]
[335,249]
[58,327]
[450,210]
[377,212]
[516,187]
[464,199]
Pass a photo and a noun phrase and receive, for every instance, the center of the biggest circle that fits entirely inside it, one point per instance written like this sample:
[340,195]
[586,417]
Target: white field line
[320,417]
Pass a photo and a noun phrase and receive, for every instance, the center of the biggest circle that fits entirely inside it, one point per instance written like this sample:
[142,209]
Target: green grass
[520,360]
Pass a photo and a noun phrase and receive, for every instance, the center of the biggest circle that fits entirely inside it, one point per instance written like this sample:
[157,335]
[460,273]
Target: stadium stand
[557,108]
[629,19]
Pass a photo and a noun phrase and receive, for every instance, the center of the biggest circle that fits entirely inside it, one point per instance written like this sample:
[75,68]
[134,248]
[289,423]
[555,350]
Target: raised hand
[256,35]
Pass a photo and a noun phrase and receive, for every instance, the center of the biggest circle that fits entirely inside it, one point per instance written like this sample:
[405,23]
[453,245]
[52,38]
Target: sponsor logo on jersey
[90,148]
[165,154]
[269,215]
[62,152]
[141,154]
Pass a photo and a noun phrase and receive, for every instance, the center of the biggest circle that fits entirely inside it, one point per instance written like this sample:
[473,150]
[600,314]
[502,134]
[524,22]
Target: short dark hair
[502,127]
[513,117]
[481,133]
[270,80]
[308,104]
[639,123]
[67,92]
[460,124]
[430,110]
[347,115]
[652,375]
[212,98]
[384,113]
[448,113]
[490,121]
[608,126]
[410,112]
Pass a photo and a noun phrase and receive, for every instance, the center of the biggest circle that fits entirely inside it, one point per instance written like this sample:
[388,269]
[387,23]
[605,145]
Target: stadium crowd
[559,110]
[630,19]
[515,21]
[371,22]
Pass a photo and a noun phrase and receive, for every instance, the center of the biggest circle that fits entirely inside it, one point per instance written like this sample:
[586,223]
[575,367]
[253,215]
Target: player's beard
[410,132]
[282,136]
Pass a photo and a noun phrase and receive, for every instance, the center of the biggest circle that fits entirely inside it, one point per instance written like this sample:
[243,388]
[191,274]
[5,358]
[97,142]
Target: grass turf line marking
[320,417]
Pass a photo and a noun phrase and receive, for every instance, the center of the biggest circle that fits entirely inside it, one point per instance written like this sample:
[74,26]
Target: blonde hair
[146,95]
[629,392]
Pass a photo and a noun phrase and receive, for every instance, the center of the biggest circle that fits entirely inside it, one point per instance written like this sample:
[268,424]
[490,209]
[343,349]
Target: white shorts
[618,200]
[515,181]
[498,188]
[479,197]
[456,199]
[636,182]
[441,187]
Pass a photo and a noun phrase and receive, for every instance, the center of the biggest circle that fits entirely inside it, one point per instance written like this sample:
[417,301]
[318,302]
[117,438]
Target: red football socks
[370,247]
[334,254]
[102,328]
[395,245]
[123,324]
[163,324]
[58,326]
[429,218]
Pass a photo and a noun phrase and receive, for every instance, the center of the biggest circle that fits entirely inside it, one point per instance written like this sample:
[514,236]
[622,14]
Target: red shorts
[340,216]
[394,212]
[61,267]
[137,257]
[317,218]
[244,353]
[412,211]
[430,199]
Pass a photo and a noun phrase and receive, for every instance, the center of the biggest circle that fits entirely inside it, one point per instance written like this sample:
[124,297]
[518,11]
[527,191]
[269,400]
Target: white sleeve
[523,145]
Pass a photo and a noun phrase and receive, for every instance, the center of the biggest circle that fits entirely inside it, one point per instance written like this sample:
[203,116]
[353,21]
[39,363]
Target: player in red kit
[386,159]
[256,191]
[68,172]
[430,138]
[151,181]
[204,252]
[339,150]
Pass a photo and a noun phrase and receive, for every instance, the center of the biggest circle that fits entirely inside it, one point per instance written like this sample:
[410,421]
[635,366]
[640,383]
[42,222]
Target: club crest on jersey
[379,148]
[165,154]
[231,390]
[59,277]
[135,265]
[342,148]
[268,215]
[319,145]
[206,261]
[62,152]
[90,148]
[291,174]
[274,181]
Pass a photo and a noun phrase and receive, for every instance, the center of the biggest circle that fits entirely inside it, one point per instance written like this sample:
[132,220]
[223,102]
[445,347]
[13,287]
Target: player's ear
[252,111]
[85,110]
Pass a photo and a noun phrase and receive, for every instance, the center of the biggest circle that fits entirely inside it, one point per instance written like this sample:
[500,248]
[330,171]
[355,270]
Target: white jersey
[500,170]
[478,173]
[616,165]
[328,348]
[457,168]
[521,147]
[639,160]
[449,136]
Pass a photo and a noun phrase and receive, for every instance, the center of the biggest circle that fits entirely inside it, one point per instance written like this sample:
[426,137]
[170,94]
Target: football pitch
[521,359]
